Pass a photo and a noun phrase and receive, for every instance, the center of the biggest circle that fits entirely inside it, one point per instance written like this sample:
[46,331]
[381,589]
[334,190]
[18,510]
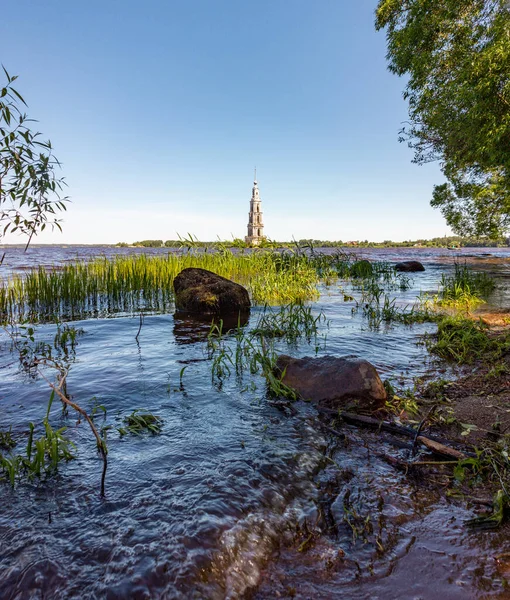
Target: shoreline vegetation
[452,242]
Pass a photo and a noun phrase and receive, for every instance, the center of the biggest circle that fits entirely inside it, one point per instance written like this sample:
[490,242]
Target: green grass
[465,289]
[465,341]
[291,322]
[41,457]
[139,423]
[135,283]
[253,351]
[7,442]
[129,284]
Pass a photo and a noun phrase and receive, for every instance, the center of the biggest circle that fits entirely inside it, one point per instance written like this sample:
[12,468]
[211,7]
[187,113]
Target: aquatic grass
[42,456]
[463,341]
[141,283]
[378,307]
[290,322]
[242,350]
[23,340]
[7,442]
[465,289]
[139,423]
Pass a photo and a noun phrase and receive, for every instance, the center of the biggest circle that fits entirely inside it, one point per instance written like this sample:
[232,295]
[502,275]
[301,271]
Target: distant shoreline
[421,244]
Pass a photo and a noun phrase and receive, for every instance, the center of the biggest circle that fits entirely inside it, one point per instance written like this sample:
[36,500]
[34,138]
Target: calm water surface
[207,509]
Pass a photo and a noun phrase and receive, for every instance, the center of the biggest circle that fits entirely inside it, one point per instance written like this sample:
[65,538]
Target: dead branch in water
[437,446]
[101,446]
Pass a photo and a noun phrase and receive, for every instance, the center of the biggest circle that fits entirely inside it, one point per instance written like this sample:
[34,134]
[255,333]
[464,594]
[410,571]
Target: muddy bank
[383,533]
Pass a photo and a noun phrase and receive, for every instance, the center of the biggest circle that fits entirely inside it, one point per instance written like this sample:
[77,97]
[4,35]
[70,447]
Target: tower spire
[255,223]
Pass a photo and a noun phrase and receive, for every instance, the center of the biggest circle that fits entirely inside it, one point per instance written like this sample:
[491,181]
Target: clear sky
[159,111]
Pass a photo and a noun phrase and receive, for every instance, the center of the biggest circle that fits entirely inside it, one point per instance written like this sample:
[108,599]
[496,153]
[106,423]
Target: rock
[332,381]
[409,266]
[202,292]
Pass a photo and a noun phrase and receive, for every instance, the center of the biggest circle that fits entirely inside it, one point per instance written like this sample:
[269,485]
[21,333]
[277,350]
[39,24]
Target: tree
[456,54]
[29,188]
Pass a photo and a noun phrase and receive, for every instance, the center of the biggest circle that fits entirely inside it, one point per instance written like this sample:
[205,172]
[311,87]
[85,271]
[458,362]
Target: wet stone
[333,381]
[201,292]
[409,266]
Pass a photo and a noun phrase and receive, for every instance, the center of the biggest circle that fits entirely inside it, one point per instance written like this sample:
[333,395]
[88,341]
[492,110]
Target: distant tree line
[437,242]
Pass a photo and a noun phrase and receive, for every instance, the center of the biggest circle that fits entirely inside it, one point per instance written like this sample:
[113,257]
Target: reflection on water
[201,510]
[189,329]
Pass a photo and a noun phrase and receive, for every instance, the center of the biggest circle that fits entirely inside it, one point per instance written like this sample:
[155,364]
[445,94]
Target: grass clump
[42,456]
[465,289]
[491,467]
[290,322]
[139,423]
[7,442]
[253,351]
[465,341]
[404,405]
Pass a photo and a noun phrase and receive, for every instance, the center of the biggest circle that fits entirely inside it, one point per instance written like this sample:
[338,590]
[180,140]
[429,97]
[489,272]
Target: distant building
[255,223]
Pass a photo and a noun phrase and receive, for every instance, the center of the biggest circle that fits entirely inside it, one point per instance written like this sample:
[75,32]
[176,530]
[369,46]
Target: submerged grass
[139,422]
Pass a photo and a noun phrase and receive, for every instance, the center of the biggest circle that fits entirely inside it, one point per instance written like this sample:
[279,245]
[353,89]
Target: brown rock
[202,292]
[333,381]
[409,266]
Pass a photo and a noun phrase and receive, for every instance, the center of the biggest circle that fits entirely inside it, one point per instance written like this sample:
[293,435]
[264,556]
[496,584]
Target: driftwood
[438,446]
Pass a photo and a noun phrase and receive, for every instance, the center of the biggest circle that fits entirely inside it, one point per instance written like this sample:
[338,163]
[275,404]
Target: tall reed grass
[128,284]
[465,289]
[144,283]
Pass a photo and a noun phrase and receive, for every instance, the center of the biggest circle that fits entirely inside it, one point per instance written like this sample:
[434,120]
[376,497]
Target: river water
[217,505]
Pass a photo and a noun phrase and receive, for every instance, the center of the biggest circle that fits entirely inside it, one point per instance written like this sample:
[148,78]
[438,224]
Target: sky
[159,111]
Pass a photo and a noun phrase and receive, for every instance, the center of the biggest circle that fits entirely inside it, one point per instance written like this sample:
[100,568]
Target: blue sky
[160,110]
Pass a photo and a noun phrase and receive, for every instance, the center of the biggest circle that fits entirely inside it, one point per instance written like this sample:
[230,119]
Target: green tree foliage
[29,189]
[149,243]
[456,56]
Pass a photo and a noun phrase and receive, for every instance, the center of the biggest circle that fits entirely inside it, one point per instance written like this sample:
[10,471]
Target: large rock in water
[409,266]
[334,382]
[202,292]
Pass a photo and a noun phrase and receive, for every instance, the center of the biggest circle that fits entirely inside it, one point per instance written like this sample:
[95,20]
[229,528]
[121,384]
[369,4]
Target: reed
[465,289]
[129,284]
[143,283]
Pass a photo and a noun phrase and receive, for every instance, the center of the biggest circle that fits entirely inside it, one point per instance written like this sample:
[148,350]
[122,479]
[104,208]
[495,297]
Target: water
[210,507]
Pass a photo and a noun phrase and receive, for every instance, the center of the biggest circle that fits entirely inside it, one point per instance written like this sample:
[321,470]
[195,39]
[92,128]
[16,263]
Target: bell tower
[255,222]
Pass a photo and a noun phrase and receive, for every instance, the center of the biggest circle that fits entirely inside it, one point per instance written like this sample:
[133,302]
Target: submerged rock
[333,381]
[202,292]
[409,266]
